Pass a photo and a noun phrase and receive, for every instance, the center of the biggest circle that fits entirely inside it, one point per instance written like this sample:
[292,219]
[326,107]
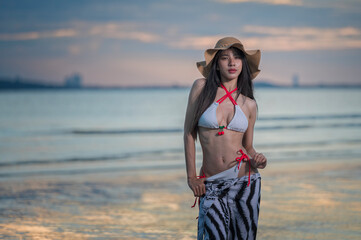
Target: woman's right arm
[196,185]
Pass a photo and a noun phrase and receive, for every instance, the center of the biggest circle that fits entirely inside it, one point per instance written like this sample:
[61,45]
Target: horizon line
[19,83]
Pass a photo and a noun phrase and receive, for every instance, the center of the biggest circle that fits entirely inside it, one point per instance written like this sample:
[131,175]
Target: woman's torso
[220,151]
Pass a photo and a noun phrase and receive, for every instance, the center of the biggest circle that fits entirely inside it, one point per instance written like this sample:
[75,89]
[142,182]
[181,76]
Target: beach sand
[300,200]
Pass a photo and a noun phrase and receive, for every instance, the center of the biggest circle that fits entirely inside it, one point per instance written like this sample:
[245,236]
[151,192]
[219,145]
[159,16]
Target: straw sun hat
[253,56]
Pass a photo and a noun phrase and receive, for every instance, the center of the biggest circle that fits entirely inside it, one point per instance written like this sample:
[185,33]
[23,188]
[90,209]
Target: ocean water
[86,131]
[109,164]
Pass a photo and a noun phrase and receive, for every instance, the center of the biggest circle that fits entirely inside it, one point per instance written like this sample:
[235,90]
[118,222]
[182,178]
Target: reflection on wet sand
[310,204]
[299,201]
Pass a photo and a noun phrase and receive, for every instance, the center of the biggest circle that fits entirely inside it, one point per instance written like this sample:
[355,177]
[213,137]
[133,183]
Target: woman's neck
[230,85]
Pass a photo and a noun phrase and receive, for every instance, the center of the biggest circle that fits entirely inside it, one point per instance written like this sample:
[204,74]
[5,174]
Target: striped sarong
[230,209]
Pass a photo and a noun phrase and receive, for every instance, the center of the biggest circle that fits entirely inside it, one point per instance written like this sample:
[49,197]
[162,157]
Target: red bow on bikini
[244,157]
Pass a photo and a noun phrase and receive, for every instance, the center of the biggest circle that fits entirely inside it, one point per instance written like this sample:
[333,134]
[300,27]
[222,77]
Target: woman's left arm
[259,160]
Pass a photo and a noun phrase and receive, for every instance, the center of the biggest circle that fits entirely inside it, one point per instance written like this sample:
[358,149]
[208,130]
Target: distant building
[295,80]
[73,81]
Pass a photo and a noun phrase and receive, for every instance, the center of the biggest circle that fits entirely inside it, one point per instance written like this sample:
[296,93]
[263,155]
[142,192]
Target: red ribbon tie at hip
[244,158]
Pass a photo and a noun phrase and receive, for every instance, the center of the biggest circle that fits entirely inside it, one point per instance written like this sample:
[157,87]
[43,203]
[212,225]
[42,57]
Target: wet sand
[300,200]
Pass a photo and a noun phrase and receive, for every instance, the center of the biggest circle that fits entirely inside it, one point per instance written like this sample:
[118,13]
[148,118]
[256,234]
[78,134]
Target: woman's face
[229,64]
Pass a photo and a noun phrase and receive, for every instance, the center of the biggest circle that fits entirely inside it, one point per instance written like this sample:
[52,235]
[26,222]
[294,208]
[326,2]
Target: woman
[222,111]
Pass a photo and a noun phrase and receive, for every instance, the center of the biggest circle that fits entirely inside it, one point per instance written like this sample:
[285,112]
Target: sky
[140,42]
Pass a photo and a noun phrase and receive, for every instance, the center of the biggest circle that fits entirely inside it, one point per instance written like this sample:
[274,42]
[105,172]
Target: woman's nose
[231,61]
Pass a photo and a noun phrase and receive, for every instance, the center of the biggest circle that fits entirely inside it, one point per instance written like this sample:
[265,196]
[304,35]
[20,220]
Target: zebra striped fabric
[230,209]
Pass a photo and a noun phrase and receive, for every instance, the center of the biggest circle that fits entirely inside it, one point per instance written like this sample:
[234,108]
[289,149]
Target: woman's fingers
[260,160]
[199,191]
[195,191]
[198,187]
[262,165]
[263,161]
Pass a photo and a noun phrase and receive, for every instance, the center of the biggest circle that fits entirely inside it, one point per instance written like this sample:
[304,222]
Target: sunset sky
[140,42]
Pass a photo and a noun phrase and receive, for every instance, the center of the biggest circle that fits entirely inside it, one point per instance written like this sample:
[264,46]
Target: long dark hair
[209,92]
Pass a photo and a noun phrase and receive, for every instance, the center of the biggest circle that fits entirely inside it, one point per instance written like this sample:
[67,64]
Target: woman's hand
[197,186]
[259,161]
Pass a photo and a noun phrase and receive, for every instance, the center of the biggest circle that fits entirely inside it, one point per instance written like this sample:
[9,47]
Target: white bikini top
[238,123]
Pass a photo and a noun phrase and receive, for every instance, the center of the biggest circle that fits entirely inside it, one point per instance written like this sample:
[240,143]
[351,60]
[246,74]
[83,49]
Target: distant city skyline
[75,80]
[146,43]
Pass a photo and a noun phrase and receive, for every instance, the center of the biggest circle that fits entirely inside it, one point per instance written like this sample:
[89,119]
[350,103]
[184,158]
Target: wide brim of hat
[253,59]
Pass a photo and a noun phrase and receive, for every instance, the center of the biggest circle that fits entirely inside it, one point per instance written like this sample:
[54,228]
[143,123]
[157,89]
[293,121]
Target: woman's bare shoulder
[247,101]
[199,83]
[251,104]
[197,87]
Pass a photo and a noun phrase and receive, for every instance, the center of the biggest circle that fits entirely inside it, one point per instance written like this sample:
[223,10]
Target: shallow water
[299,201]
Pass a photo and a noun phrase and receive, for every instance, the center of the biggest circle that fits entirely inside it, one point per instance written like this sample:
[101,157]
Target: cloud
[283,39]
[272,2]
[110,30]
[348,5]
[303,31]
[194,42]
[60,33]
[126,31]
[304,38]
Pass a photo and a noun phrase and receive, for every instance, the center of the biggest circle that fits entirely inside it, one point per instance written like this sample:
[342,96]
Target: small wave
[300,144]
[304,126]
[128,131]
[123,156]
[309,117]
[92,170]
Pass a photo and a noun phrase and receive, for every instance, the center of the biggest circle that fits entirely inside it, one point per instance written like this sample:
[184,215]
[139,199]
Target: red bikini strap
[228,94]
[244,158]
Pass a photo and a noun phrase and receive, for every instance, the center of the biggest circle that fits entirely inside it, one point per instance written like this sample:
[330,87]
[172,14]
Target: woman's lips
[232,70]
